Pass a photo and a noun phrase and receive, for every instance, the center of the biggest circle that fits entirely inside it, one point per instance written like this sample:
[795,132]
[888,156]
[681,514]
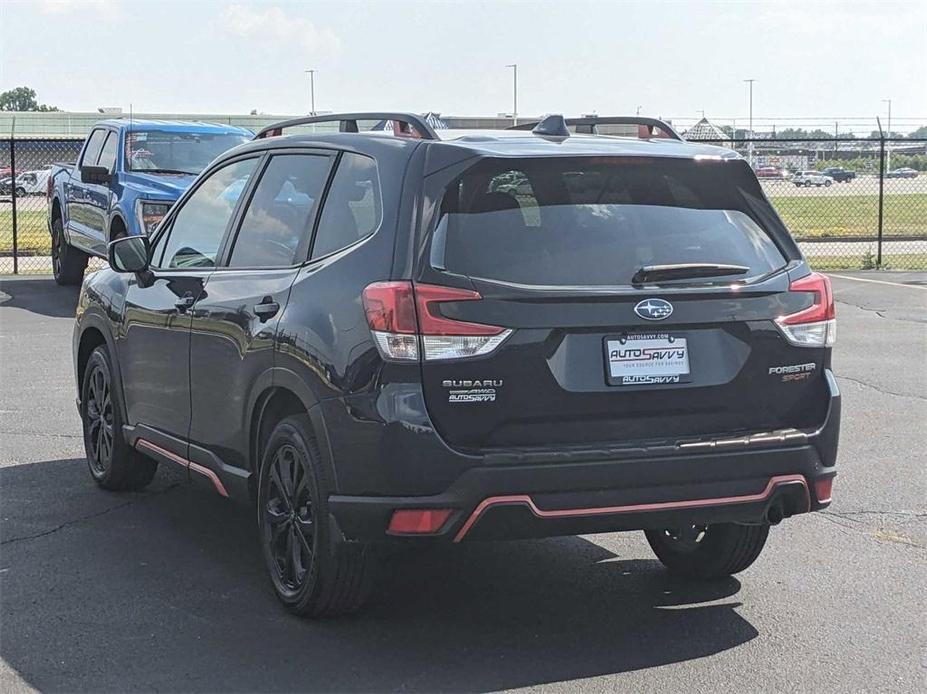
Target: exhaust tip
[774,515]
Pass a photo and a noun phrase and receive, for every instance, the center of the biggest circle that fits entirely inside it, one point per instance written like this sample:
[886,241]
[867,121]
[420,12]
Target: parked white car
[27,183]
[811,178]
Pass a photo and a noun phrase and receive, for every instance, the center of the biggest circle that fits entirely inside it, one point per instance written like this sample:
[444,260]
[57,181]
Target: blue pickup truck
[126,178]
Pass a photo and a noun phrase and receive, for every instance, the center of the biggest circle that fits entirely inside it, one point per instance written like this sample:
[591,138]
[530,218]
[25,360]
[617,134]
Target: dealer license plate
[646,360]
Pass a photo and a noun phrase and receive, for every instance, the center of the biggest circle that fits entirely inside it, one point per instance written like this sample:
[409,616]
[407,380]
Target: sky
[671,59]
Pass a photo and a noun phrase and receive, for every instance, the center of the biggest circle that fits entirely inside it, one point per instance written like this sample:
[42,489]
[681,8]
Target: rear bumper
[738,480]
[547,500]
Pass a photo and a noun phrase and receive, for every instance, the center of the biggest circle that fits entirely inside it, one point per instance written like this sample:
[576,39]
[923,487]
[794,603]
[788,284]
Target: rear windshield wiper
[685,271]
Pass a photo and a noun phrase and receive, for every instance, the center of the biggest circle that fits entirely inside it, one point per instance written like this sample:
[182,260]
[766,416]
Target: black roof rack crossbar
[403,123]
[587,125]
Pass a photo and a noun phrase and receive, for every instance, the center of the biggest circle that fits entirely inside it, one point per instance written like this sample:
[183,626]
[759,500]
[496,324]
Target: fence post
[13,192]
[881,196]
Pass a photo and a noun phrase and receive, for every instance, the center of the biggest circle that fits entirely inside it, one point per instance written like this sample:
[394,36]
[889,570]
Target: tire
[113,464]
[827,184]
[708,552]
[117,232]
[20,192]
[313,573]
[68,263]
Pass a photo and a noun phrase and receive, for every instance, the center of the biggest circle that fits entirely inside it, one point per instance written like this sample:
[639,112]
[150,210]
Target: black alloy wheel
[113,463]
[98,414]
[708,551]
[314,569]
[289,528]
[56,251]
[684,540]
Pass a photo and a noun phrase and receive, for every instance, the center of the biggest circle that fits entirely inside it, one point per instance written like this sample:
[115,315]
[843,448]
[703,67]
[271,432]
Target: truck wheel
[20,192]
[705,552]
[68,263]
[314,573]
[827,184]
[113,463]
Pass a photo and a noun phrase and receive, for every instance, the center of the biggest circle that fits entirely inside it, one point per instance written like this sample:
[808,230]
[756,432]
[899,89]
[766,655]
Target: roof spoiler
[647,128]
[404,124]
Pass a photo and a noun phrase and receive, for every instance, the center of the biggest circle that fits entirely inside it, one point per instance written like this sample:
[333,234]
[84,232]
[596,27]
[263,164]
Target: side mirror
[128,254]
[98,175]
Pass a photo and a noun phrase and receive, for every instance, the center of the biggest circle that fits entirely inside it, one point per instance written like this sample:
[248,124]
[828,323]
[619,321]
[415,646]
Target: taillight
[815,326]
[390,309]
[404,318]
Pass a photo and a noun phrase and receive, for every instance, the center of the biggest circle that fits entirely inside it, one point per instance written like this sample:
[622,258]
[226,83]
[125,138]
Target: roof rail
[404,124]
[587,125]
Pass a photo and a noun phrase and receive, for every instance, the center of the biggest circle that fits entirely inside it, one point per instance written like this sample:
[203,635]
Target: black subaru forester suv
[409,335]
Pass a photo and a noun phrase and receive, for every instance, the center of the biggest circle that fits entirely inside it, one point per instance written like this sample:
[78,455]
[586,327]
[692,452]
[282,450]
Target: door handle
[266,310]
[184,302]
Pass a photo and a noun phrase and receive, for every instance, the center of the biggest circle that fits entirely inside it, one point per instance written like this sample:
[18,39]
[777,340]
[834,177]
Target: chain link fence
[851,203]
[25,165]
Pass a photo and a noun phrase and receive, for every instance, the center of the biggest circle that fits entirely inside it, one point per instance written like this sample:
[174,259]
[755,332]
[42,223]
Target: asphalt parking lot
[164,590]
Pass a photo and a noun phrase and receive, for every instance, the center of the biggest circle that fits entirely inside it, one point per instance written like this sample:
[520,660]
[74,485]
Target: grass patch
[825,216]
[32,236]
[833,216]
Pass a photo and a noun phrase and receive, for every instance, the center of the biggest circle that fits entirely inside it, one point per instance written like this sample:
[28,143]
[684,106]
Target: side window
[108,153]
[353,208]
[199,225]
[94,145]
[275,229]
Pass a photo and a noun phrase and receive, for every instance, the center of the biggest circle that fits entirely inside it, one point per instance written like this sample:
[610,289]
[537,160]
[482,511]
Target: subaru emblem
[654,309]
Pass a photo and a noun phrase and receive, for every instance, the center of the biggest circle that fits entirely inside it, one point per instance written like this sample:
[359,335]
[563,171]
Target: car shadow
[165,590]
[39,295]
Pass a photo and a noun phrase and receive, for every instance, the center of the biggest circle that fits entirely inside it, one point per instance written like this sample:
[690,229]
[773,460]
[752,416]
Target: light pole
[888,149]
[639,110]
[514,67]
[311,73]
[750,145]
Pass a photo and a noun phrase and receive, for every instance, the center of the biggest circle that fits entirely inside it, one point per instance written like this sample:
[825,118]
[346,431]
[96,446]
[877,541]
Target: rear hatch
[635,301]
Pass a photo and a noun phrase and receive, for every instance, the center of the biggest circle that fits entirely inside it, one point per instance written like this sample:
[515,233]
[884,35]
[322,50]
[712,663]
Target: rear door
[552,245]
[86,201]
[235,319]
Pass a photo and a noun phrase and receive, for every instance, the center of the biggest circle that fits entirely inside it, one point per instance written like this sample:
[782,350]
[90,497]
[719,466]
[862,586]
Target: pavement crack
[866,384]
[61,526]
[912,514]
[880,533]
[880,312]
[89,516]
[40,433]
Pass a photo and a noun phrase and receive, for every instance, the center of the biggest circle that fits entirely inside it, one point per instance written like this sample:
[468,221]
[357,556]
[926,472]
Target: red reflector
[418,521]
[822,489]
[823,307]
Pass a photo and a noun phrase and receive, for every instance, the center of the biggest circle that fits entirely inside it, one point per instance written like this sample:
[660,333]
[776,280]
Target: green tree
[801,133]
[920,132]
[22,99]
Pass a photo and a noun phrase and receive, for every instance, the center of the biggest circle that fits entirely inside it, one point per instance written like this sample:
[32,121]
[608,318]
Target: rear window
[596,221]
